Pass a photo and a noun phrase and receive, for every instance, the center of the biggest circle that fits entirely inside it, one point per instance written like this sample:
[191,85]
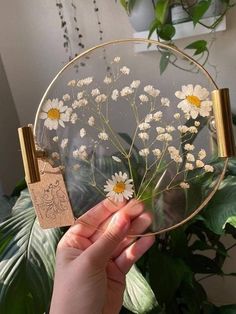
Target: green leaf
[138,297]
[232,221]
[124,4]
[6,204]
[199,10]
[226,309]
[161,10]
[166,31]
[222,206]
[27,261]
[199,46]
[164,61]
[153,26]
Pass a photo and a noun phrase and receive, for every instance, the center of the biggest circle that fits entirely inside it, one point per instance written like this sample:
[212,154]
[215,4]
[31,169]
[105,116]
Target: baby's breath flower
[80,153]
[115,94]
[87,81]
[190,157]
[160,130]
[165,102]
[143,98]
[80,95]
[82,132]
[157,116]
[73,118]
[55,156]
[126,91]
[144,126]
[192,129]
[196,123]
[55,139]
[91,121]
[184,185]
[101,98]
[135,84]
[199,163]
[189,147]
[71,83]
[82,102]
[64,143]
[144,152]
[202,154]
[116,59]
[75,104]
[183,128]
[166,137]
[177,116]
[188,166]
[103,136]
[208,168]
[156,152]
[174,154]
[66,97]
[95,92]
[150,90]
[124,70]
[170,128]
[107,80]
[117,159]
[143,136]
[148,118]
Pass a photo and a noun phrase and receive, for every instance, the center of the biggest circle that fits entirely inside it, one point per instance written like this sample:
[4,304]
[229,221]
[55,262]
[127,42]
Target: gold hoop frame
[177,51]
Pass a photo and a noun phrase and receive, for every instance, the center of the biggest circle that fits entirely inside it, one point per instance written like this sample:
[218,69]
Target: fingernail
[119,221]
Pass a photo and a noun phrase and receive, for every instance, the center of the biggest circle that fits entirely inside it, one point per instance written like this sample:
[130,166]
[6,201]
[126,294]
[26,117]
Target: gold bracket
[223,123]
[29,154]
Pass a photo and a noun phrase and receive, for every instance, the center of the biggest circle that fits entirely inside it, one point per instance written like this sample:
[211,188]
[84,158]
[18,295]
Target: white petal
[43,115]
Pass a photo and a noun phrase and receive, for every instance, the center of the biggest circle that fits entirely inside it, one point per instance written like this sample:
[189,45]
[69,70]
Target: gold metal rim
[162,45]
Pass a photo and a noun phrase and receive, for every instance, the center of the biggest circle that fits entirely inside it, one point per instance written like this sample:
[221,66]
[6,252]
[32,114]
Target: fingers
[130,255]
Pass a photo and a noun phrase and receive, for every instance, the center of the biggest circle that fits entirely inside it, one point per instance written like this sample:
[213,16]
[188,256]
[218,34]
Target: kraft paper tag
[50,198]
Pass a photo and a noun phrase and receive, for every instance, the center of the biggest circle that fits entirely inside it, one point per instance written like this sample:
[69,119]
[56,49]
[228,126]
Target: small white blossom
[188,166]
[202,154]
[82,132]
[143,98]
[189,147]
[166,137]
[144,152]
[196,123]
[165,102]
[190,157]
[144,126]
[150,90]
[66,97]
[80,153]
[208,168]
[126,91]
[199,163]
[107,80]
[80,95]
[64,143]
[148,118]
[55,156]
[170,128]
[117,159]
[71,83]
[135,84]
[87,81]
[115,94]
[144,136]
[184,185]
[116,59]
[160,130]
[156,152]
[177,116]
[192,129]
[183,128]
[124,70]
[91,121]
[157,116]
[174,154]
[95,92]
[101,98]
[73,118]
[103,136]
[55,139]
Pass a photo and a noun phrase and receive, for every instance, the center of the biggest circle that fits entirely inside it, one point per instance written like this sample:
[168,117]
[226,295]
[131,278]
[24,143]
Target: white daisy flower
[71,83]
[144,126]
[157,116]
[143,98]
[160,130]
[165,102]
[194,101]
[116,59]
[55,139]
[95,92]
[188,166]
[208,168]
[103,136]
[143,136]
[55,156]
[135,84]
[117,159]
[157,152]
[119,187]
[124,70]
[115,94]
[82,132]
[184,185]
[55,113]
[144,152]
[107,80]
[177,116]
[190,157]
[80,153]
[91,121]
[73,118]
[64,143]
[199,163]
[66,97]
[202,154]
[150,90]
[101,98]
[126,91]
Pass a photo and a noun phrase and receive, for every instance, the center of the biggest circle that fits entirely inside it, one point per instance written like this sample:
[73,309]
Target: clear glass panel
[130,123]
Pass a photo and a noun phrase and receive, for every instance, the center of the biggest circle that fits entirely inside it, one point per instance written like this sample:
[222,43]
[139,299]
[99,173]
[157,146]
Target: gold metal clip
[29,154]
[223,123]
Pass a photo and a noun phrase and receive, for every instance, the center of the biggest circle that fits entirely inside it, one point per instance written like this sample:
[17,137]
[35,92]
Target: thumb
[117,230]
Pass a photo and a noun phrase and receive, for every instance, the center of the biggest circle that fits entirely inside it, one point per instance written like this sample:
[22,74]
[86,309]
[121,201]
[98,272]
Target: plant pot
[142,15]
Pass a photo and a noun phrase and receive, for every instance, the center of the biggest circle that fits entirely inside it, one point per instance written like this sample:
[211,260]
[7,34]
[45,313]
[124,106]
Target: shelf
[183,30]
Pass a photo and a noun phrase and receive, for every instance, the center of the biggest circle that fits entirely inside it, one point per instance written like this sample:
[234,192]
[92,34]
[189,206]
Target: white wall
[32,53]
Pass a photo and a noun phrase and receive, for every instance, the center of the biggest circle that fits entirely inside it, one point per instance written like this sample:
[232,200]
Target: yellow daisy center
[54,114]
[194,100]
[119,187]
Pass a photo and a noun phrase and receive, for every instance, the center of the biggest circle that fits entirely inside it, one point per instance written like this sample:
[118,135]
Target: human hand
[94,256]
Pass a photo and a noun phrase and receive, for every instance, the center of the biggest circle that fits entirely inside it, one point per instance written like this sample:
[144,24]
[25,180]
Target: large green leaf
[27,257]
[138,297]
